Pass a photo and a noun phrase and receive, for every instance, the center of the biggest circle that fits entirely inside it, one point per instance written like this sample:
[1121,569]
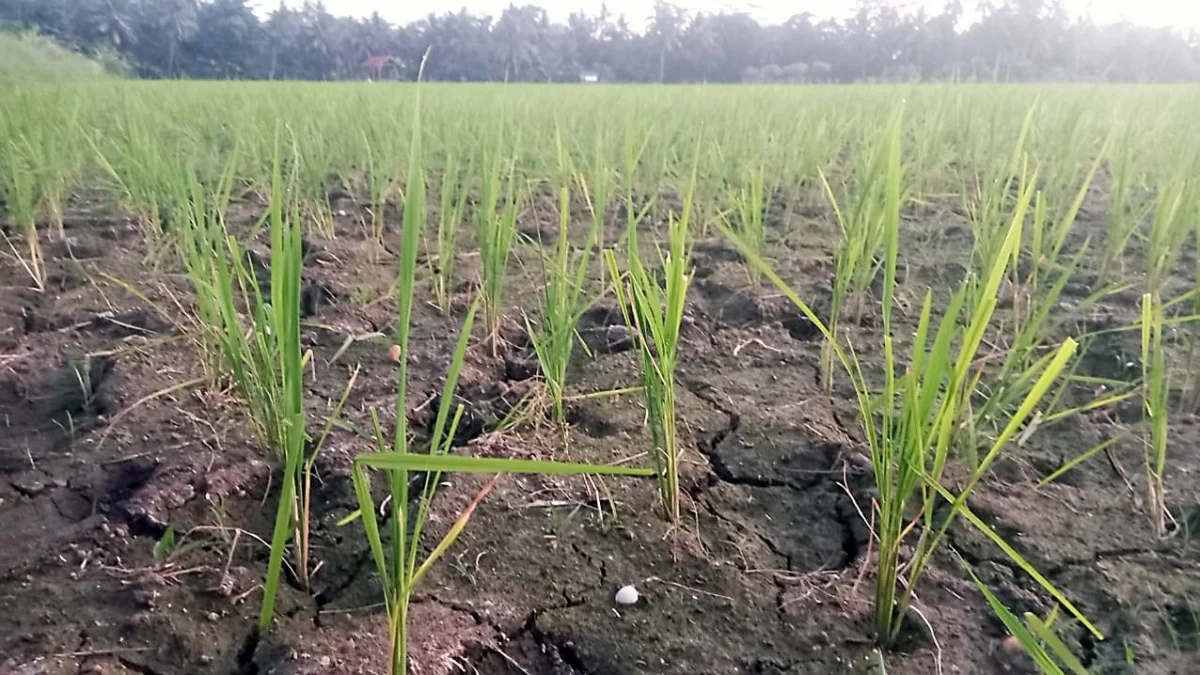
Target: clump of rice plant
[864,226]
[17,186]
[1128,203]
[909,427]
[226,282]
[39,162]
[495,231]
[143,160]
[1191,385]
[1176,215]
[312,162]
[1000,390]
[379,187]
[596,187]
[633,153]
[1170,226]
[988,212]
[454,192]
[1174,218]
[52,161]
[265,361]
[597,181]
[401,563]
[749,208]
[563,303]
[1155,390]
[653,311]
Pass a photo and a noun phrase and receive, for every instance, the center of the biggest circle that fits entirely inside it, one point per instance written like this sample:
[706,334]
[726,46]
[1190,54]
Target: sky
[1181,14]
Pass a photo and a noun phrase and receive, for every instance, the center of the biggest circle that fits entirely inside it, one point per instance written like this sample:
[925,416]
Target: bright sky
[1182,14]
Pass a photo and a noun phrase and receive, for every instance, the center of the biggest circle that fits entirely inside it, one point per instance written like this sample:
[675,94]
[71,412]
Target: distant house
[589,77]
[377,67]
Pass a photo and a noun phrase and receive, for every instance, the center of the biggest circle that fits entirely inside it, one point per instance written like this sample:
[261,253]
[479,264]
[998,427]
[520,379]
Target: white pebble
[628,595]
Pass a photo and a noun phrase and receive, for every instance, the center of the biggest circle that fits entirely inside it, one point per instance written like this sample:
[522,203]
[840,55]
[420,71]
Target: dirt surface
[110,438]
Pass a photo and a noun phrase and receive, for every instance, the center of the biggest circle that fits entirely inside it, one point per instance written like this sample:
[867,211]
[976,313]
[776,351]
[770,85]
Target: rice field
[457,378]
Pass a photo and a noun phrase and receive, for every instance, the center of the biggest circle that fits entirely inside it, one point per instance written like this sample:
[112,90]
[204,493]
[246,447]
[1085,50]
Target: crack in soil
[1088,646]
[1096,556]
[976,560]
[1057,567]
[530,622]
[593,562]
[332,593]
[708,448]
[68,516]
[245,655]
[137,667]
[80,647]
[842,426]
[770,665]
[766,541]
[461,608]
[846,519]
[548,643]
[707,393]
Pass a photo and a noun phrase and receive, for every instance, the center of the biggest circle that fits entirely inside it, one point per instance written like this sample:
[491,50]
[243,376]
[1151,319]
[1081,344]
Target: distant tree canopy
[1013,40]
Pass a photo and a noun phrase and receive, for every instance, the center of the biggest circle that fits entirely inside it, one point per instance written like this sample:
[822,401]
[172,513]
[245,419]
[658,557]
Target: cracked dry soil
[771,573]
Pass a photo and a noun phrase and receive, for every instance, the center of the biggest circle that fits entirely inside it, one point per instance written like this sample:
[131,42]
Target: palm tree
[178,22]
[232,44]
[580,38]
[700,45]
[283,29]
[107,22]
[666,29]
[378,35]
[517,36]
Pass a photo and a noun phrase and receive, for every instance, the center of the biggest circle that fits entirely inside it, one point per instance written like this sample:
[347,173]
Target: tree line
[1013,40]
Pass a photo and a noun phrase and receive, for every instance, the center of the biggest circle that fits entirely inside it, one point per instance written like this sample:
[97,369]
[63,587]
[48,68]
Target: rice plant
[143,160]
[454,192]
[20,199]
[595,185]
[749,209]
[312,173]
[909,427]
[379,187]
[633,152]
[563,303]
[1128,204]
[225,281]
[864,227]
[1190,396]
[1034,319]
[402,564]
[54,162]
[495,231]
[1155,390]
[1170,225]
[988,208]
[265,361]
[653,310]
